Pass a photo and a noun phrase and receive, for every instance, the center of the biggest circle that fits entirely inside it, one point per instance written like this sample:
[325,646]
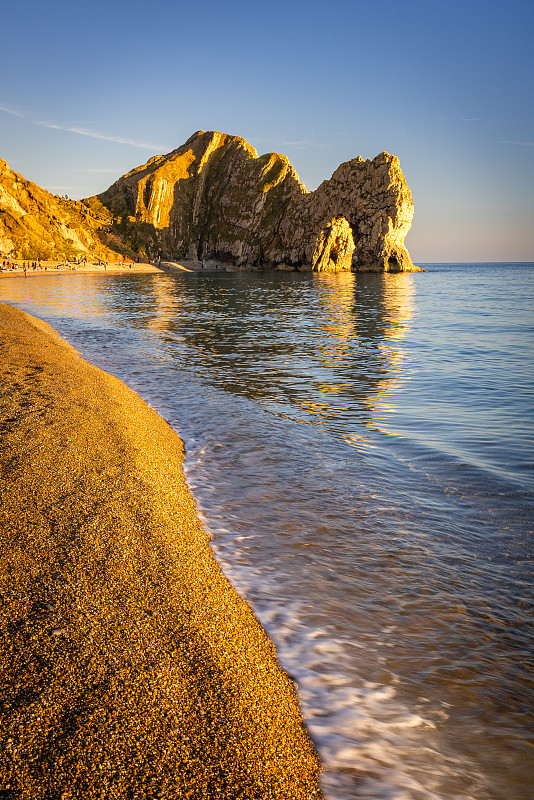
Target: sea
[360,448]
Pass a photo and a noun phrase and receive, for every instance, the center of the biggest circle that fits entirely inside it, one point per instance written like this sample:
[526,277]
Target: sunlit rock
[334,248]
[214,198]
[36,224]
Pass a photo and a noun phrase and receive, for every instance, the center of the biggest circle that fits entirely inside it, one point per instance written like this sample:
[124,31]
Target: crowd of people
[13,264]
[25,265]
[29,265]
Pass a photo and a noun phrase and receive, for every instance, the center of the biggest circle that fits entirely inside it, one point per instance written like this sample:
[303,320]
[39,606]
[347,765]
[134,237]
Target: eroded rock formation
[37,224]
[214,198]
[334,248]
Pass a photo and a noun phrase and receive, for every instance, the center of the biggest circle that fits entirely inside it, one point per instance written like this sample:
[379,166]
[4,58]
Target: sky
[90,90]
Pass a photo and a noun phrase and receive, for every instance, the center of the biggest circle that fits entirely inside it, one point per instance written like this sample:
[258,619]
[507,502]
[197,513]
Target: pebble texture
[129,667]
[214,198]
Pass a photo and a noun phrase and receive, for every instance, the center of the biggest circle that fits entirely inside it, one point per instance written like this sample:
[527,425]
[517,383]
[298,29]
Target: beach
[127,267]
[55,267]
[130,668]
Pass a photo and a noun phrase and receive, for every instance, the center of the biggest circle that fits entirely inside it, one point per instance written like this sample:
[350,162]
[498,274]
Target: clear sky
[90,90]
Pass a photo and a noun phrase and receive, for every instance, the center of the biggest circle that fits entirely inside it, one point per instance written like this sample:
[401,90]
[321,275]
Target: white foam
[371,744]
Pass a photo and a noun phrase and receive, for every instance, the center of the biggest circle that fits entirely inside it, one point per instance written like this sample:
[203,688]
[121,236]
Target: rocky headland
[35,224]
[215,198]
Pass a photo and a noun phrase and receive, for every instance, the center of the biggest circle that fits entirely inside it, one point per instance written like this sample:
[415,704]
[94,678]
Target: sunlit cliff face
[36,224]
[398,226]
[334,248]
[155,190]
[215,198]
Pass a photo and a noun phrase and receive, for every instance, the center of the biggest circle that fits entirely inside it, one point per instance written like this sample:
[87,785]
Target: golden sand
[129,667]
[55,267]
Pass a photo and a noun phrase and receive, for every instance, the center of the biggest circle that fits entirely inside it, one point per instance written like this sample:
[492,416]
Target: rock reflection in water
[323,346]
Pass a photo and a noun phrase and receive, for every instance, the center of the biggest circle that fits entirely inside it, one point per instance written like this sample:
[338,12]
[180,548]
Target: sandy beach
[56,267]
[129,267]
[129,667]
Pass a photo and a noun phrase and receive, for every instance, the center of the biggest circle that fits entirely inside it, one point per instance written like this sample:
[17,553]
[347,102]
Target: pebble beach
[129,667]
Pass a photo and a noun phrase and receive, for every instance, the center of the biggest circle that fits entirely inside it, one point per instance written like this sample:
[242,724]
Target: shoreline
[58,268]
[130,667]
[53,267]
[210,265]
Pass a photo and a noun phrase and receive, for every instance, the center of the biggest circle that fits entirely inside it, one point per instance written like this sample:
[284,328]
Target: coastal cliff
[36,224]
[215,198]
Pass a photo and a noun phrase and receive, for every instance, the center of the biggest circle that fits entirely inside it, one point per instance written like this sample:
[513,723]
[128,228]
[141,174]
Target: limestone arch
[334,247]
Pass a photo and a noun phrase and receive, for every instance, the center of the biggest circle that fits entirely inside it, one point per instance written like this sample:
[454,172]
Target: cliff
[214,198]
[36,224]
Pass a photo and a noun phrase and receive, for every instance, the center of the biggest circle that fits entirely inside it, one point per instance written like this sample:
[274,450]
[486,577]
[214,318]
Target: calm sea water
[361,449]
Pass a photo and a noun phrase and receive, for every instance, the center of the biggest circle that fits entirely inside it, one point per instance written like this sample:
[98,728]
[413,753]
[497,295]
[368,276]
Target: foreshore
[129,667]
[127,267]
[55,267]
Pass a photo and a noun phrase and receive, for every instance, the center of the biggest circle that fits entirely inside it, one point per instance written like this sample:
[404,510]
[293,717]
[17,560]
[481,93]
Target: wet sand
[129,667]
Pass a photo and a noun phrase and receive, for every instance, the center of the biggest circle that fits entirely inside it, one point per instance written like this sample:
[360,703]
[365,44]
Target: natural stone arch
[334,247]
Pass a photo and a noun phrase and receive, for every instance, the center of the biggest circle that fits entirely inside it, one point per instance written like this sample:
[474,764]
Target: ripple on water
[360,448]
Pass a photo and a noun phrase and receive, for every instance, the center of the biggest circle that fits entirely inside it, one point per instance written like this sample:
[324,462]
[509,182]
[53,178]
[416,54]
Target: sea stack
[215,198]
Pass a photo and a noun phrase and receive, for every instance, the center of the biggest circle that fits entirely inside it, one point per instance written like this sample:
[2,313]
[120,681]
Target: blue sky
[91,90]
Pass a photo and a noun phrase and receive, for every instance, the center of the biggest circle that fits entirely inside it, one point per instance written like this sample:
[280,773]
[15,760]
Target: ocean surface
[361,449]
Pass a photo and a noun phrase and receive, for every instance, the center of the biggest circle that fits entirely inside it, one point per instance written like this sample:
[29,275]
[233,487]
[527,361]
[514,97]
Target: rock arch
[334,247]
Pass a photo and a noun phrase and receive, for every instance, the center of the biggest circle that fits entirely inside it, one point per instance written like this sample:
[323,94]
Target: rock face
[37,224]
[334,248]
[214,198]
